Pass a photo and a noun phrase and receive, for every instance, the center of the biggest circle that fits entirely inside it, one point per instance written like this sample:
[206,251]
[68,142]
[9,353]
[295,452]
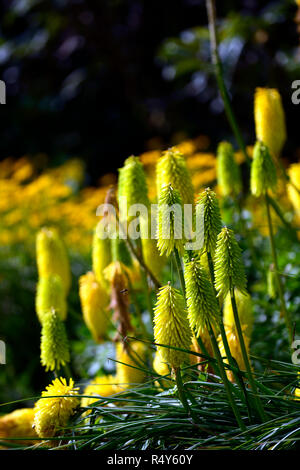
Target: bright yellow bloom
[102,386]
[171,169]
[94,303]
[293,194]
[269,119]
[54,412]
[244,307]
[17,424]
[52,256]
[171,326]
[133,357]
[50,295]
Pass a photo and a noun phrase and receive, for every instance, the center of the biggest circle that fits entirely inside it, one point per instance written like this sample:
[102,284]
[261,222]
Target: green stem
[231,361]
[144,279]
[136,254]
[277,274]
[181,393]
[245,356]
[180,270]
[67,371]
[137,309]
[211,13]
[281,216]
[225,379]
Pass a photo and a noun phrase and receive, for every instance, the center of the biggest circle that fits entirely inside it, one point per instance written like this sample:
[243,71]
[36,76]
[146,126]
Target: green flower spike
[208,207]
[171,326]
[229,268]
[228,171]
[132,184]
[263,170]
[171,169]
[201,300]
[50,294]
[54,342]
[170,222]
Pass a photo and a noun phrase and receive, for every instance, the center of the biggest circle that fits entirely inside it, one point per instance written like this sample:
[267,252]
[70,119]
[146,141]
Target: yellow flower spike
[269,119]
[52,256]
[50,295]
[228,264]
[170,234]
[293,194]
[203,308]
[171,169]
[94,302]
[130,359]
[171,326]
[235,349]
[101,255]
[132,184]
[244,306]
[54,343]
[54,412]
[17,424]
[102,386]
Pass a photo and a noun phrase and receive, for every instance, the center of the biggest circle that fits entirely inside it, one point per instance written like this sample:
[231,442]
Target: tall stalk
[217,354]
[211,13]
[245,356]
[179,270]
[231,361]
[224,378]
[182,394]
[277,274]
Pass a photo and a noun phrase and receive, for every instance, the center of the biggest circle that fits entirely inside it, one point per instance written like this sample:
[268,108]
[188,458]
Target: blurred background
[90,83]
[104,80]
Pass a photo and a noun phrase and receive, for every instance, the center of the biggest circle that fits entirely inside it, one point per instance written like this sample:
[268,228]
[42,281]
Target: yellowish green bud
[228,171]
[263,171]
[171,169]
[171,326]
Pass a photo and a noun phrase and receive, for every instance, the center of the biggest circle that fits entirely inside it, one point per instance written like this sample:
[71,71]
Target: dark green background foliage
[99,79]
